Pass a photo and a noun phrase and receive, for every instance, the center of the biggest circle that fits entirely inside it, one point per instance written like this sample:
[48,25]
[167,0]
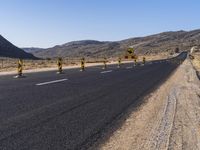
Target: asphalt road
[50,111]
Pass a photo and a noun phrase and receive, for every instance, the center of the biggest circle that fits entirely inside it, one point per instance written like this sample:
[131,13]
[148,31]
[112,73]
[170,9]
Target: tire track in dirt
[160,134]
[169,120]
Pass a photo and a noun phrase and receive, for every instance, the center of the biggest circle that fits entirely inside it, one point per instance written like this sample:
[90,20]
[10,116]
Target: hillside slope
[7,49]
[163,42]
[88,48]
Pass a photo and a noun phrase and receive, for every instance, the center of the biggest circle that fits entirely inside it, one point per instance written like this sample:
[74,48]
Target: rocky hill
[167,42]
[163,42]
[81,48]
[7,49]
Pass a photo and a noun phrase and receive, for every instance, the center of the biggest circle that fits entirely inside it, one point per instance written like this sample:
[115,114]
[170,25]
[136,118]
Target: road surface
[50,111]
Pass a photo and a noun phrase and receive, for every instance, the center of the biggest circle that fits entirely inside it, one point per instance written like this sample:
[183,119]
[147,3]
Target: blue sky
[45,23]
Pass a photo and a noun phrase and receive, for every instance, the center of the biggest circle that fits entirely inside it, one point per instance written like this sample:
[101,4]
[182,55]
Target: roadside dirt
[9,66]
[11,72]
[170,118]
[196,61]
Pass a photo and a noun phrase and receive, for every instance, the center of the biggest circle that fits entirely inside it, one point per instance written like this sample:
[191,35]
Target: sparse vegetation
[177,50]
[169,42]
[9,64]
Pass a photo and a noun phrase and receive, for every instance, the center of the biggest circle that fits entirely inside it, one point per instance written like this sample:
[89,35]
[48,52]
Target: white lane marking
[50,82]
[106,71]
[129,67]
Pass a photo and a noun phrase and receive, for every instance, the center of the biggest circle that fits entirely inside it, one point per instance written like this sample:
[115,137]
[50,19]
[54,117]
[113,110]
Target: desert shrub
[177,50]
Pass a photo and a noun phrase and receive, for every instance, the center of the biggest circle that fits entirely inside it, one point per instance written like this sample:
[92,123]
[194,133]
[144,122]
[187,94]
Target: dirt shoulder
[196,61]
[170,118]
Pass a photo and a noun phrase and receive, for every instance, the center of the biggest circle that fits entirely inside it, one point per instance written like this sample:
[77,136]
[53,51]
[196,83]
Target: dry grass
[11,64]
[151,57]
[8,64]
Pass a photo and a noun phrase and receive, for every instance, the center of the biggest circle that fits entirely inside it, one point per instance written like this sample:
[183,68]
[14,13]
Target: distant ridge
[7,49]
[162,42]
[31,49]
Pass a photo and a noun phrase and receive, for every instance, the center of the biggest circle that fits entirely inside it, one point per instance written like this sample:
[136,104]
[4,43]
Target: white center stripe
[129,67]
[50,82]
[107,71]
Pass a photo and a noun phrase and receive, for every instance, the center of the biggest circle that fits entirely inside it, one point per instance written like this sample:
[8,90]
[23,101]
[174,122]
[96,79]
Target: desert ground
[9,66]
[169,118]
[196,61]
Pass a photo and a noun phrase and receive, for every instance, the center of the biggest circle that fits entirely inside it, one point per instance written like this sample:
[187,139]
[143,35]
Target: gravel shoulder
[170,118]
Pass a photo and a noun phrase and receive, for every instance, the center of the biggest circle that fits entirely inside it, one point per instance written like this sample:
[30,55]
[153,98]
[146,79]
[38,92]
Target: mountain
[7,49]
[31,49]
[162,42]
[80,48]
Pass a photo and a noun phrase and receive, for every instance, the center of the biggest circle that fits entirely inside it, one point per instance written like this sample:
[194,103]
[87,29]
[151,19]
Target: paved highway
[49,111]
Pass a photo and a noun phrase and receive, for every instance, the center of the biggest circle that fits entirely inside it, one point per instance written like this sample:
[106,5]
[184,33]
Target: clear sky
[45,23]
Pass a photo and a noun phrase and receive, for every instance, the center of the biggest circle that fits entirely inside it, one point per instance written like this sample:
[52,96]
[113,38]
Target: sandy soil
[9,66]
[163,55]
[170,118]
[196,60]
[54,68]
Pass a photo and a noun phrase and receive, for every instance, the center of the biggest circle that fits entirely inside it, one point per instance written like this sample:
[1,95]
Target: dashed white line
[103,72]
[129,67]
[51,82]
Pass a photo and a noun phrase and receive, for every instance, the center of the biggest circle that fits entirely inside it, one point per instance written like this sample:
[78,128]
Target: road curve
[49,111]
